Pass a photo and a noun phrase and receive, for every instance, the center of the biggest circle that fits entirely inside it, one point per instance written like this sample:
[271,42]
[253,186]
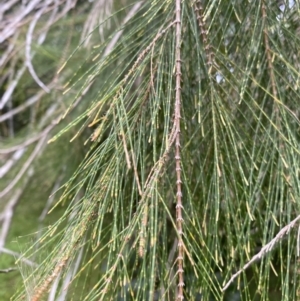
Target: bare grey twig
[15,23]
[12,85]
[28,50]
[4,169]
[8,212]
[34,154]
[7,216]
[22,145]
[19,256]
[8,270]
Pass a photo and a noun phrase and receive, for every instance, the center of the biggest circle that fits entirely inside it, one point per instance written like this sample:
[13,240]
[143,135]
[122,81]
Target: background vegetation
[167,136]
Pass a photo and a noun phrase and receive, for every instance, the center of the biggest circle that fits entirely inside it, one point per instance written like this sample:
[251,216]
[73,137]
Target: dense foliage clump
[173,148]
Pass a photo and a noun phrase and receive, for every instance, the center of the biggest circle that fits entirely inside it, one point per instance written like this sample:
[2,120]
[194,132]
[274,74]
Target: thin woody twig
[5,168]
[29,102]
[27,164]
[267,248]
[28,50]
[179,206]
[8,270]
[10,89]
[10,29]
[7,216]
[20,257]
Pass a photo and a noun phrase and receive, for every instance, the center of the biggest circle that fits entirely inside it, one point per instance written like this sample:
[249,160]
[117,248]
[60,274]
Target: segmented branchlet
[133,69]
[177,117]
[298,278]
[209,54]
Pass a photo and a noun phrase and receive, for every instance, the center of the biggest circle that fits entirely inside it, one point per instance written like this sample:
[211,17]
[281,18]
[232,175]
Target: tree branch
[267,248]
[179,207]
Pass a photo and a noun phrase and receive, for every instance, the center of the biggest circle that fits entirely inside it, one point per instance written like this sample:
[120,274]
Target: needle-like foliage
[193,160]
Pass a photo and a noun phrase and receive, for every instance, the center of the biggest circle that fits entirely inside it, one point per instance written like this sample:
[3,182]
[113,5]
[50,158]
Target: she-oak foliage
[194,160]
